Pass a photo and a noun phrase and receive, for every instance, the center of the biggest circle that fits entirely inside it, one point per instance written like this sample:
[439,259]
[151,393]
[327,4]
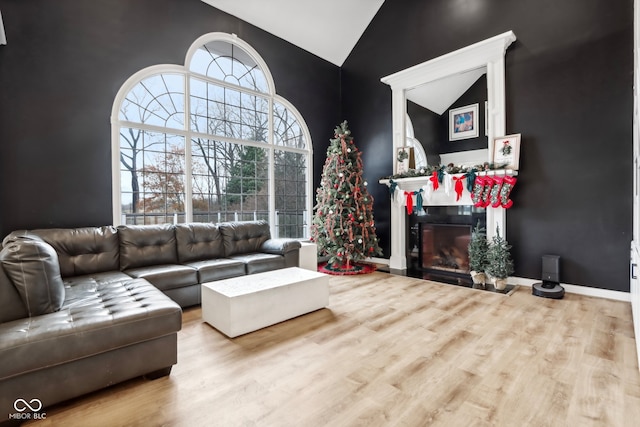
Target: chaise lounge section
[85,308]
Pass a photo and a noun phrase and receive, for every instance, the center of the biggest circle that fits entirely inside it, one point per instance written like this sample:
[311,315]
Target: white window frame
[187,133]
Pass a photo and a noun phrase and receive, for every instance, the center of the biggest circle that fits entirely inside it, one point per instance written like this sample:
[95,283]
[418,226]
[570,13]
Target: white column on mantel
[398,259]
[496,217]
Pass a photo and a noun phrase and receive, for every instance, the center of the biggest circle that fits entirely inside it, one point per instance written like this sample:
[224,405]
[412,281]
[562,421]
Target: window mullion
[273,218]
[188,164]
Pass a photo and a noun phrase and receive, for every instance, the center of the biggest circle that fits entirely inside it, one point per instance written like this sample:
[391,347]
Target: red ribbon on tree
[434,180]
[409,195]
[459,186]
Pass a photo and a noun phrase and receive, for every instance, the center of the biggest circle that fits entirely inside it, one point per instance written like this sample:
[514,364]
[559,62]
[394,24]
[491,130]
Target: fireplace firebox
[439,241]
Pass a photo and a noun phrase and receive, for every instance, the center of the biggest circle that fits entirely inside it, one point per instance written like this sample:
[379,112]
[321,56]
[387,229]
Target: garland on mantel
[450,169]
[485,191]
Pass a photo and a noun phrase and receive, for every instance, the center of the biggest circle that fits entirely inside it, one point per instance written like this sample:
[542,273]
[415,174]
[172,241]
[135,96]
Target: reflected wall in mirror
[420,154]
[428,107]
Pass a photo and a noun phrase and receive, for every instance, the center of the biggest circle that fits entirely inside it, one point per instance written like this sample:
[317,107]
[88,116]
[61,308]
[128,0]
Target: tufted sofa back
[143,245]
[244,237]
[80,251]
[199,241]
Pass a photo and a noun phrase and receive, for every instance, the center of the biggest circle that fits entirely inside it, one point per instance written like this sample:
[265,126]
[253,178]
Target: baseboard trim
[574,289]
[376,260]
[578,289]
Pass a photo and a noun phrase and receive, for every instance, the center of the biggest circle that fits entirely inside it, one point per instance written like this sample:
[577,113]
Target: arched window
[210,141]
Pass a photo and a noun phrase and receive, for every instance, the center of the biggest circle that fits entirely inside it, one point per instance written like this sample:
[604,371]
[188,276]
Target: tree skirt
[342,270]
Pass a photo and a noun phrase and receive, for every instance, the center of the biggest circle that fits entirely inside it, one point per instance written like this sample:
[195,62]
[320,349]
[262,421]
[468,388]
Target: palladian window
[210,142]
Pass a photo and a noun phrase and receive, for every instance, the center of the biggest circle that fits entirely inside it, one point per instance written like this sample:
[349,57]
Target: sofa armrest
[280,246]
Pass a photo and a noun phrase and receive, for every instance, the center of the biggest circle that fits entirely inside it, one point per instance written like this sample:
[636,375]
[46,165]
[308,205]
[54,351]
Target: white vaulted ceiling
[327,28]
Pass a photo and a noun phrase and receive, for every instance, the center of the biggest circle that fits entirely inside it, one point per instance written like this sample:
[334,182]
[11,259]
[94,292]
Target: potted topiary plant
[500,264]
[478,247]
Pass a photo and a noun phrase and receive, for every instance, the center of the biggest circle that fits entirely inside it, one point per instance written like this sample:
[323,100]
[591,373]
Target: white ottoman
[244,304]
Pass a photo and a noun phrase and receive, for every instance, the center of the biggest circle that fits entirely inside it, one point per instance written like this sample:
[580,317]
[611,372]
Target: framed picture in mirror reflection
[464,122]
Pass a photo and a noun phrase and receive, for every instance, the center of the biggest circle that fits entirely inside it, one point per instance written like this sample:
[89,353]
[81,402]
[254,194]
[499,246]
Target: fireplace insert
[438,243]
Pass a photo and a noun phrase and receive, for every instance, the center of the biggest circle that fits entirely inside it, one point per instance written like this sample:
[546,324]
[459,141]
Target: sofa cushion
[166,276]
[82,250]
[93,281]
[32,266]
[280,246]
[11,305]
[199,241]
[143,245]
[244,237]
[217,269]
[94,319]
[258,262]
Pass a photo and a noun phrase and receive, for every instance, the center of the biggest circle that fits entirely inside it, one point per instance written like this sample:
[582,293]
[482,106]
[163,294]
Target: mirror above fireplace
[429,107]
[439,77]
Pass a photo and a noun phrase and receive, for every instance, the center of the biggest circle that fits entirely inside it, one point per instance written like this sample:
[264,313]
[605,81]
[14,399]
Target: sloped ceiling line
[328,29]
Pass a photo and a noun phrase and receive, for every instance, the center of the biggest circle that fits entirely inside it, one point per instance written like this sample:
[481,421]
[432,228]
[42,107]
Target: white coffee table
[245,304]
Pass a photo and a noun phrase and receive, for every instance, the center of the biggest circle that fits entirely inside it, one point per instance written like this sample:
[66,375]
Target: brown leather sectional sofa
[85,308]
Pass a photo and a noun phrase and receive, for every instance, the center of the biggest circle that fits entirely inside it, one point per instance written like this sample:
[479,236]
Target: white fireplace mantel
[488,53]
[440,197]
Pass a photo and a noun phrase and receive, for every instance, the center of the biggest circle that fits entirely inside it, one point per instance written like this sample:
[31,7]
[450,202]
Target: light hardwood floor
[394,351]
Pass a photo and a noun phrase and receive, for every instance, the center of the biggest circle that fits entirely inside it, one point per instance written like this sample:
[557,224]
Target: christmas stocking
[507,186]
[495,191]
[478,187]
[485,199]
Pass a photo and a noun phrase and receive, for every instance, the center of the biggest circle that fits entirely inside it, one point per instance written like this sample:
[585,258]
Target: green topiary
[478,247]
[499,258]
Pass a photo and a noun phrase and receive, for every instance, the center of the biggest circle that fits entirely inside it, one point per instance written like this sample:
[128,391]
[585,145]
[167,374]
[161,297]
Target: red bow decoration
[434,180]
[409,195]
[458,186]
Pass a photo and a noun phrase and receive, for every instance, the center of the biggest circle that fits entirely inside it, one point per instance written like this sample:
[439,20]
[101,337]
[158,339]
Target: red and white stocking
[496,191]
[485,200]
[505,191]
[478,187]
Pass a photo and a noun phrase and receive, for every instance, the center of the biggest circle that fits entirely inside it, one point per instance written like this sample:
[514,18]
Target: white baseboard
[376,260]
[577,289]
[574,289]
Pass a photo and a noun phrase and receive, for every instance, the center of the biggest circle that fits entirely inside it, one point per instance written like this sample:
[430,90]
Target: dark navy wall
[569,92]
[59,73]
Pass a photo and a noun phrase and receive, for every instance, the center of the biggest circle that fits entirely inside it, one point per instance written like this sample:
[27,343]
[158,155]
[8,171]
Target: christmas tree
[478,248]
[500,264]
[343,226]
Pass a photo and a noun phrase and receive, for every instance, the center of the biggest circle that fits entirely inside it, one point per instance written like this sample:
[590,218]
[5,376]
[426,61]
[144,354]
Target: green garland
[450,169]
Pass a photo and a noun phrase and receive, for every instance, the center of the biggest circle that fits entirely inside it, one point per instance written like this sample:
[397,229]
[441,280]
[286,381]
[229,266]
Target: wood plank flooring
[394,351]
